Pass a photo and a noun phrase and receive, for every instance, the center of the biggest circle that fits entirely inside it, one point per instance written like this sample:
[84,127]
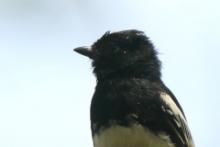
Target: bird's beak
[86,51]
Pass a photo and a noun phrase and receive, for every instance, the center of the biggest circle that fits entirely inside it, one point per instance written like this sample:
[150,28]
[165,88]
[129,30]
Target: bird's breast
[131,136]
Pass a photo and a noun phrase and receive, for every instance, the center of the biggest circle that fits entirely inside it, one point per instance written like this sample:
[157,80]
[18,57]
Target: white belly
[133,136]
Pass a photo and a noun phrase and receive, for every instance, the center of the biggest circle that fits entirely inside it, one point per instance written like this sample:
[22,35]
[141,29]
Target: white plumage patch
[132,136]
[169,101]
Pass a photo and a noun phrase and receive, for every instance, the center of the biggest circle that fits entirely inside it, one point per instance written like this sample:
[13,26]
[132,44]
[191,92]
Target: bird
[131,106]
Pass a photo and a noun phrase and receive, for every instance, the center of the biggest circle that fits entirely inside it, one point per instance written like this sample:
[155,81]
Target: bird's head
[124,53]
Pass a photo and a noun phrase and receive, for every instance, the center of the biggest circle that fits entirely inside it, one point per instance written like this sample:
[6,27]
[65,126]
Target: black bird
[131,106]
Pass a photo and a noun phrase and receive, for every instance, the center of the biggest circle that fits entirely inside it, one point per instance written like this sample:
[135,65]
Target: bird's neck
[143,71]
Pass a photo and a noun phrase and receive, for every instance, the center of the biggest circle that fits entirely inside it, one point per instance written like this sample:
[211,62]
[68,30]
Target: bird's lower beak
[86,51]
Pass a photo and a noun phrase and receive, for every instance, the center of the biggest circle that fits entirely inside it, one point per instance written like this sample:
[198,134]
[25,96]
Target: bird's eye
[124,52]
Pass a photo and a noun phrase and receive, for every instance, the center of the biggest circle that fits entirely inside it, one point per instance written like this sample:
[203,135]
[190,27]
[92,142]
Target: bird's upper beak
[86,51]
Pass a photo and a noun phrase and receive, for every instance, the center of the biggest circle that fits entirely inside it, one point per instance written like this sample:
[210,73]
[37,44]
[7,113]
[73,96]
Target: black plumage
[130,91]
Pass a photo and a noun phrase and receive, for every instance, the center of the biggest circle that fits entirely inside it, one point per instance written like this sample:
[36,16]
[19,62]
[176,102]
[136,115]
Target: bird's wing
[164,115]
[175,119]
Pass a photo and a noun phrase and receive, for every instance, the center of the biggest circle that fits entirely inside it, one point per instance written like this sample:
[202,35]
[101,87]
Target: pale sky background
[46,88]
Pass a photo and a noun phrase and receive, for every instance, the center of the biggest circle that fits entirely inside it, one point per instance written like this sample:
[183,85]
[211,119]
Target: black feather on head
[125,53]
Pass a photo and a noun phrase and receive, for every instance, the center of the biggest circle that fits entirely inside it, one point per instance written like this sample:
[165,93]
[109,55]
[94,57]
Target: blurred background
[46,88]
